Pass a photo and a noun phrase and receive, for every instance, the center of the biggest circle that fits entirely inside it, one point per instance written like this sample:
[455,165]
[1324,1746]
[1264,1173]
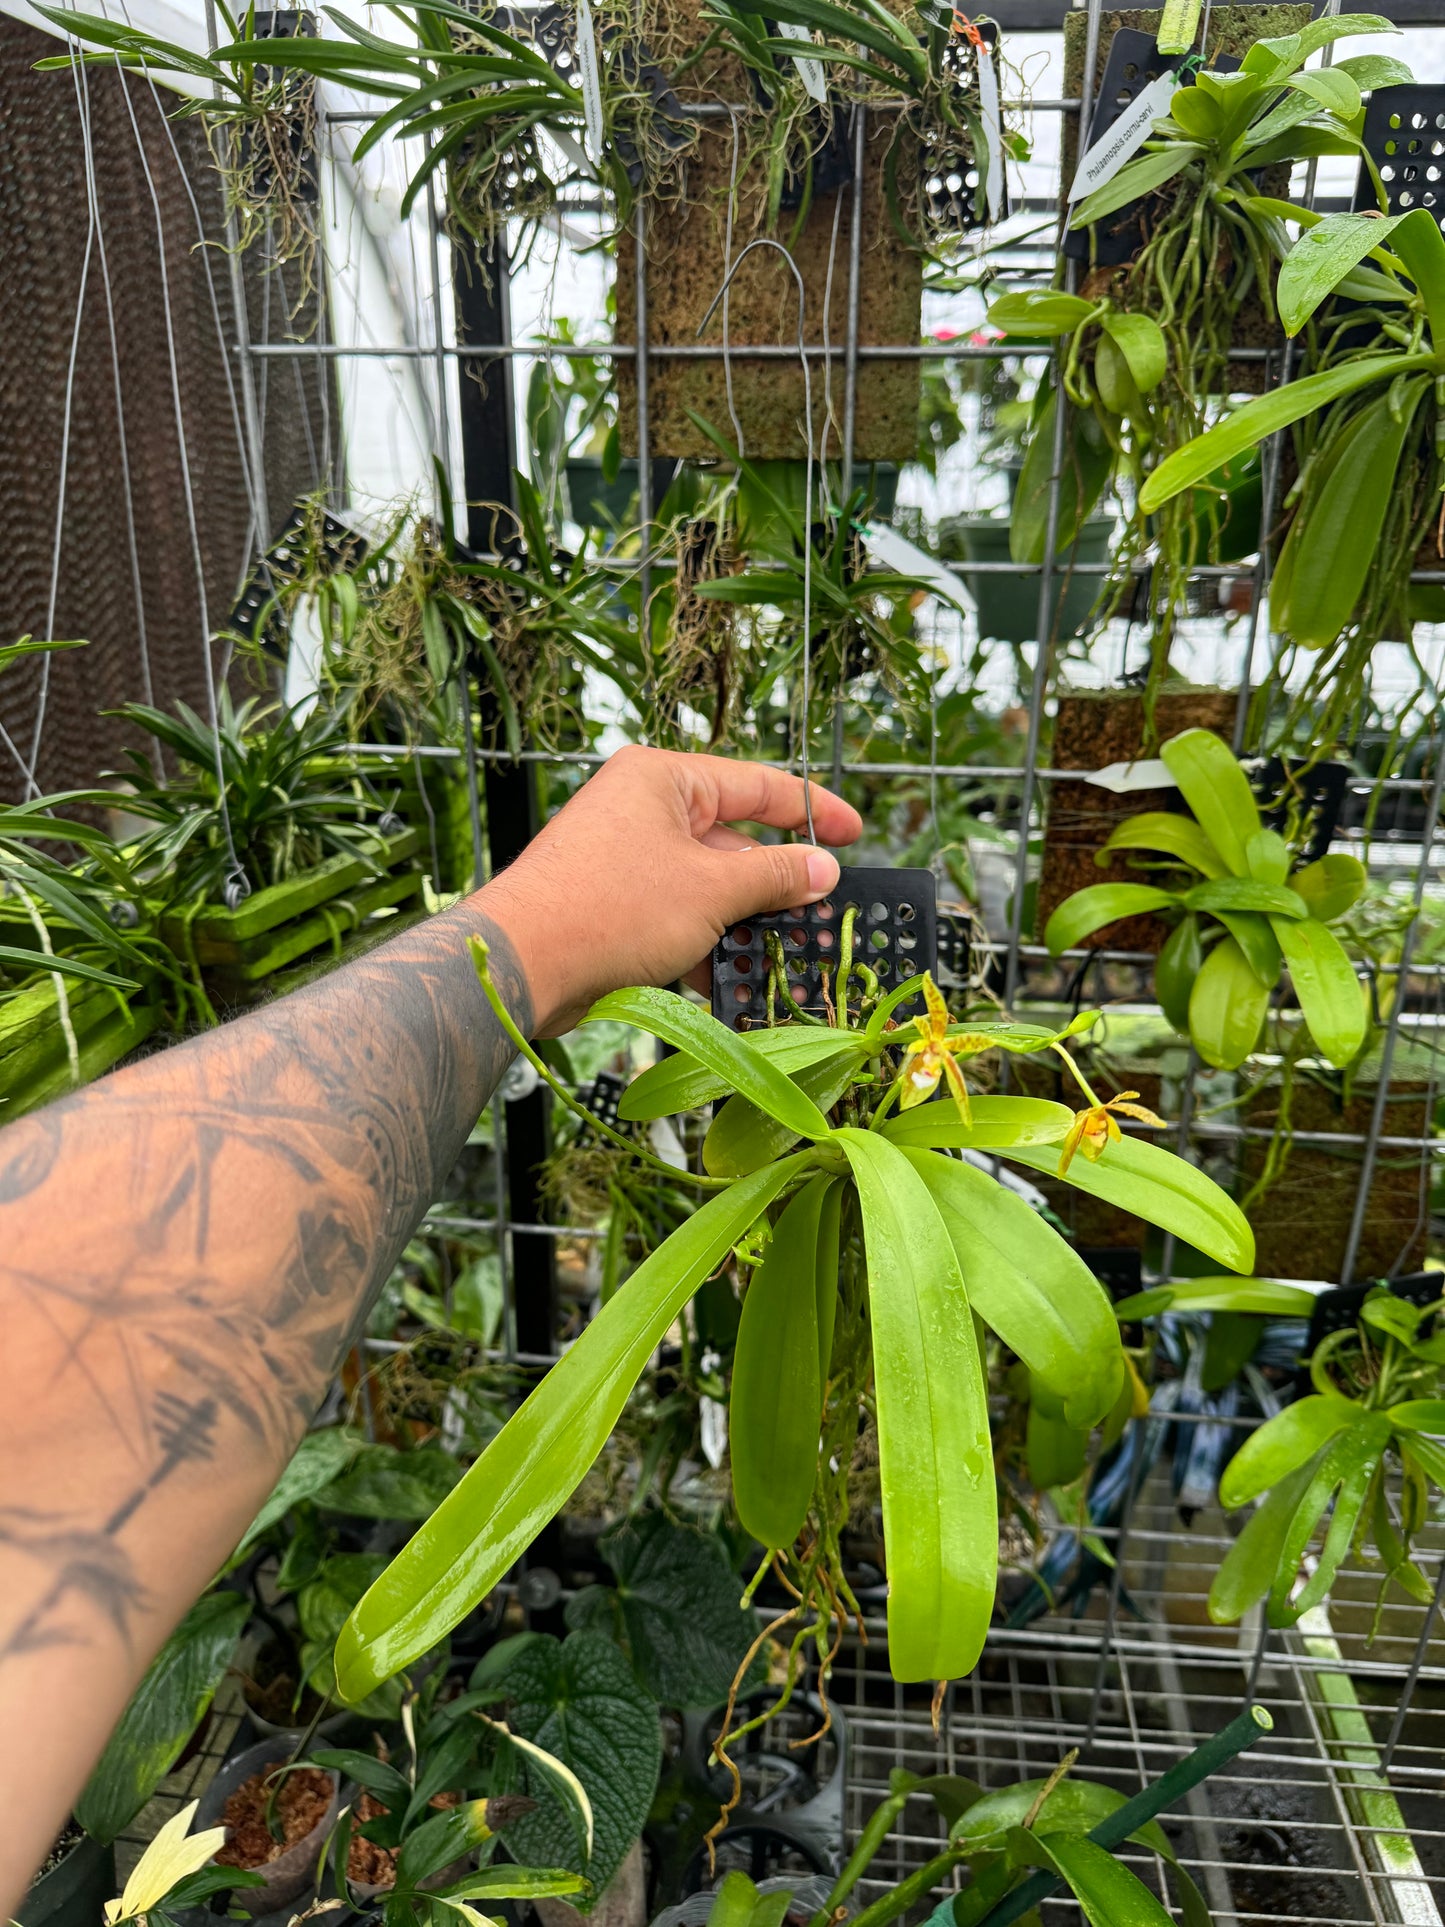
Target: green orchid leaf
[1331,996]
[1171,835]
[1386,1313]
[680,1083]
[1227,1007]
[1330,886]
[1282,1444]
[741,1137]
[1256,421]
[1419,1415]
[1247,1570]
[1055,1452]
[776,1403]
[506,1883]
[674,1609]
[1243,893]
[1262,1295]
[1141,342]
[1217,791]
[1038,312]
[1088,910]
[1369,71]
[37,961]
[1331,88]
[1342,1474]
[940,1515]
[164,1711]
[1164,1190]
[1267,855]
[1088,464]
[1256,943]
[665,1014]
[1072,1807]
[1175,969]
[1335,546]
[997,1123]
[1145,174]
[1030,1287]
[1421,247]
[543,1451]
[437,1843]
[1108,1893]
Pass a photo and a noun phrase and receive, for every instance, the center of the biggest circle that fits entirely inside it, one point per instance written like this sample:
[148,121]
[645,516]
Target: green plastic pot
[1008,605]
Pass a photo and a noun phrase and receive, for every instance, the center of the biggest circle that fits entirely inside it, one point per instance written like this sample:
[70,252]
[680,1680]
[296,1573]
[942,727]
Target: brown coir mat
[686,255]
[139,607]
[1093,729]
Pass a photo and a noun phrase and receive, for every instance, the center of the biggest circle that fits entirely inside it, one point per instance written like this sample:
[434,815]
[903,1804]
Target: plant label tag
[895,552]
[1122,778]
[1122,140]
[591,78]
[810,72]
[992,157]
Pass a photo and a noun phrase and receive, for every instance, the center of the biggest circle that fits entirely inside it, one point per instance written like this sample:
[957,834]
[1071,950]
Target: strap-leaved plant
[881,1254]
[1240,924]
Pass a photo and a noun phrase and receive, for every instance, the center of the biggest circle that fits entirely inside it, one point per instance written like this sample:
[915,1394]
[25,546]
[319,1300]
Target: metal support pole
[645,504]
[855,282]
[1407,1690]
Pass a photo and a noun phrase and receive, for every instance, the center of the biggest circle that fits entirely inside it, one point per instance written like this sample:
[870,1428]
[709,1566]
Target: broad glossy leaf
[1088,910]
[1055,1452]
[1074,1806]
[1088,463]
[741,1137]
[1419,1415]
[1257,420]
[665,1014]
[1243,893]
[1217,791]
[539,1457]
[1282,1444]
[1330,88]
[1256,942]
[1038,312]
[314,1464]
[998,1122]
[776,1402]
[1145,174]
[1227,1007]
[674,1609]
[1331,996]
[1369,71]
[1330,886]
[940,1516]
[1153,1184]
[1177,965]
[1029,1286]
[164,1711]
[578,1701]
[1109,1894]
[1172,835]
[1267,855]
[1141,342]
[1321,258]
[1248,1568]
[680,1083]
[381,1482]
[1263,1295]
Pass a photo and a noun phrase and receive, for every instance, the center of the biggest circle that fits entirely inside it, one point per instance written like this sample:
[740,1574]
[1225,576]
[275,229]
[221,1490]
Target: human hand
[634,881]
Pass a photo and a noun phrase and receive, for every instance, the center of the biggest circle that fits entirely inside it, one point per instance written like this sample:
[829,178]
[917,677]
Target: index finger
[722,791]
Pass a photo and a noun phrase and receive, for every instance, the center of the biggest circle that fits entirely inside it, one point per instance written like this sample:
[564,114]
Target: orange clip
[963,25]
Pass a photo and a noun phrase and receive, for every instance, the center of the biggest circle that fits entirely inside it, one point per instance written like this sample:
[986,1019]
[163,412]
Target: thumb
[769,876]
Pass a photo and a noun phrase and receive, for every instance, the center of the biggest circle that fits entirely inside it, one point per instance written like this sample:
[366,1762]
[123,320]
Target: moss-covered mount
[35,1060]
[686,260]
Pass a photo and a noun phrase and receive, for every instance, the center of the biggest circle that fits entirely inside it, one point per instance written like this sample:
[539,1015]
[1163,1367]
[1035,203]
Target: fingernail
[823,872]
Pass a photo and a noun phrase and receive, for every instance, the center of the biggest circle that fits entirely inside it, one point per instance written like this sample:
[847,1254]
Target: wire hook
[765,241]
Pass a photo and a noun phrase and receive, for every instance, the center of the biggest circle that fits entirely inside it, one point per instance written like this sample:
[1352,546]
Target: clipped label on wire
[1121,141]
[896,552]
[591,77]
[1122,778]
[810,72]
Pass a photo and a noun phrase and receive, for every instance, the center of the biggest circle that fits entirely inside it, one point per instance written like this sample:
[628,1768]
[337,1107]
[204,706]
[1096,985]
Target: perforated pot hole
[895,934]
[1404,134]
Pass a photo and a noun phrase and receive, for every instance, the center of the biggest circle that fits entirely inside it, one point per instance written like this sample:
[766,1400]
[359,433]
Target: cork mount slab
[895,934]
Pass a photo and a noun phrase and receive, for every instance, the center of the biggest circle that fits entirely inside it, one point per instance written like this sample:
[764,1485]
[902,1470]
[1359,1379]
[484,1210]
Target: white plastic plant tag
[1122,141]
[992,157]
[1122,778]
[591,78]
[810,72]
[896,552]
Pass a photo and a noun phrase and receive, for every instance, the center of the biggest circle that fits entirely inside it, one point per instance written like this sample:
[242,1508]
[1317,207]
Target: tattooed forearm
[187,1250]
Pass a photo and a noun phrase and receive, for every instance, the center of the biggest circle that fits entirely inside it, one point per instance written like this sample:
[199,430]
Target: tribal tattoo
[227,1212]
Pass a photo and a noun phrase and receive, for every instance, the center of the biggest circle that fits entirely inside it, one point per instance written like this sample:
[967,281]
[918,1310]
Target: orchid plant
[874,1253]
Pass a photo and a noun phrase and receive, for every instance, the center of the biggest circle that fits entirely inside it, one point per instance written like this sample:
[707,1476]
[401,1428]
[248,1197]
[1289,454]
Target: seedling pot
[288,1876]
[74,1891]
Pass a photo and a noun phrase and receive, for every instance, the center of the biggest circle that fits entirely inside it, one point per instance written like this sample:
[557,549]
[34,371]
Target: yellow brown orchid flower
[934,1054]
[1094,1128]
